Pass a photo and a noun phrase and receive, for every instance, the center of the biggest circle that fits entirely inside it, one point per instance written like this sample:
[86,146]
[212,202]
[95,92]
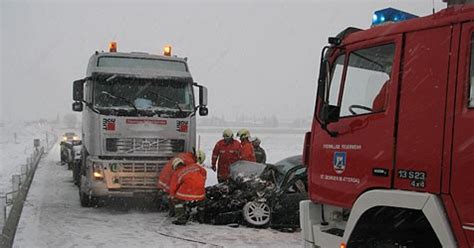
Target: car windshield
[142,94]
[246,169]
[286,164]
[69,134]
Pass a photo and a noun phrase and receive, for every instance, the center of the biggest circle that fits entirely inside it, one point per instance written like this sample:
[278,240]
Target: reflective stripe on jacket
[188,183]
[165,176]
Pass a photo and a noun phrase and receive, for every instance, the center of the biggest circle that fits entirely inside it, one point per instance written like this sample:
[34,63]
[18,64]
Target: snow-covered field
[14,152]
[53,217]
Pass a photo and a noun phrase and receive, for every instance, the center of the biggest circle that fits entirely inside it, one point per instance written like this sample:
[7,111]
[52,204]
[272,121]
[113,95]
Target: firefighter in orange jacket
[246,150]
[226,151]
[187,185]
[164,179]
[165,174]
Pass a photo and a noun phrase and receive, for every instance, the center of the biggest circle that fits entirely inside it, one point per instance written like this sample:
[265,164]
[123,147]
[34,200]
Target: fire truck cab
[390,154]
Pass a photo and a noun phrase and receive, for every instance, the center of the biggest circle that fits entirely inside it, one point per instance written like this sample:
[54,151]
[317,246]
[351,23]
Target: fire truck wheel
[256,213]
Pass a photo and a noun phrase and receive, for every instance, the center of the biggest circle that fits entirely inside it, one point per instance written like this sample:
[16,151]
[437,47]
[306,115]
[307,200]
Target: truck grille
[165,147]
[140,174]
[138,182]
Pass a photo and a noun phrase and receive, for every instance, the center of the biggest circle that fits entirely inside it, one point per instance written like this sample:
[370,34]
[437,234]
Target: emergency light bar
[390,15]
[167,50]
[113,47]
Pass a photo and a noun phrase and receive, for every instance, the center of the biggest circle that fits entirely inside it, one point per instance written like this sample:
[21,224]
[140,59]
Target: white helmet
[227,134]
[243,133]
[176,163]
[256,141]
[200,156]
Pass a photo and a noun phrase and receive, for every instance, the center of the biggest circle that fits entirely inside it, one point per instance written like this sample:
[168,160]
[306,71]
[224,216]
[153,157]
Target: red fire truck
[390,154]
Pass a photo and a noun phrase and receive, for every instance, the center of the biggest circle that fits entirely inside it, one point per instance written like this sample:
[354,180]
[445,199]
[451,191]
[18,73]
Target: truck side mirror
[78,90]
[329,113]
[203,111]
[77,106]
[202,96]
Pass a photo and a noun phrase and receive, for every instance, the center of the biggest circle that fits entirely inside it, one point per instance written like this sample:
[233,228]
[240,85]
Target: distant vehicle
[68,137]
[258,195]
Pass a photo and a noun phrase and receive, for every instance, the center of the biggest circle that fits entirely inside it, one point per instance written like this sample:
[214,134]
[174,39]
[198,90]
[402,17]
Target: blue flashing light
[390,15]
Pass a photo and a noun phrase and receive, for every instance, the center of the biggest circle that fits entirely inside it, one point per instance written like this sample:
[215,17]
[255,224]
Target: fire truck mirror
[78,90]
[77,106]
[330,113]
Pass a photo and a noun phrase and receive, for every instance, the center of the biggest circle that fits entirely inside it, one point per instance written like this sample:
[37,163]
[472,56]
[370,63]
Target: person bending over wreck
[163,182]
[187,185]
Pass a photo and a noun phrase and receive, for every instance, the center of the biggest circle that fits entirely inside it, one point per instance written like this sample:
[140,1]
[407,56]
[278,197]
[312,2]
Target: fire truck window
[367,79]
[471,93]
[336,80]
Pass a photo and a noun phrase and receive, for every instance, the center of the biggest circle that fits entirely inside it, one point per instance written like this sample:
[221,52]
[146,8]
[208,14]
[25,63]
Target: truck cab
[138,111]
[389,154]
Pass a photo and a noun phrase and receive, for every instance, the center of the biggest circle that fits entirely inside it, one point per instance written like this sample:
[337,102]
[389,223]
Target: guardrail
[11,204]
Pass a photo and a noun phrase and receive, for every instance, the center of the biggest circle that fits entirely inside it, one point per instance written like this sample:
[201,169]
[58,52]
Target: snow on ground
[14,152]
[53,217]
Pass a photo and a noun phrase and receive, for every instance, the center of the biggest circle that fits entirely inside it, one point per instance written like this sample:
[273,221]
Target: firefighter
[163,182]
[260,155]
[246,149]
[187,185]
[226,151]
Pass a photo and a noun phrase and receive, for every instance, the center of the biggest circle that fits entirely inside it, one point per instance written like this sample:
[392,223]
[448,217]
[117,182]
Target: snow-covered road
[53,217]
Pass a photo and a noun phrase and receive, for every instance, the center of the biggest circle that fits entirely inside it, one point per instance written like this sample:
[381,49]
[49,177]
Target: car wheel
[256,213]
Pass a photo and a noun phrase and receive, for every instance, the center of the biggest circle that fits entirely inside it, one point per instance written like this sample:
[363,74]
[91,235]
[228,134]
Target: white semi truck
[138,111]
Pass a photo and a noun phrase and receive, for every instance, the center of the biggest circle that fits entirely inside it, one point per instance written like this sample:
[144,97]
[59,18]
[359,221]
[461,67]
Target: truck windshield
[367,80]
[140,95]
[128,62]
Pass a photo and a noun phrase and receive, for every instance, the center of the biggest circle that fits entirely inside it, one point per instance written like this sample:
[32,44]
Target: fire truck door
[364,84]
[462,167]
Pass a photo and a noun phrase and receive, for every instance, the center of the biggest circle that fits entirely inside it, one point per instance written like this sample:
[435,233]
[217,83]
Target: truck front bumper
[122,178]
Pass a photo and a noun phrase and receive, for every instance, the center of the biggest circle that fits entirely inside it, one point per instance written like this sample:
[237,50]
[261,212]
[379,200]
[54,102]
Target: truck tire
[86,201]
[76,176]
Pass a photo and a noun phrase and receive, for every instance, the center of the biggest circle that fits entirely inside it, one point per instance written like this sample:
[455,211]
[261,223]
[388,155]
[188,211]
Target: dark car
[258,194]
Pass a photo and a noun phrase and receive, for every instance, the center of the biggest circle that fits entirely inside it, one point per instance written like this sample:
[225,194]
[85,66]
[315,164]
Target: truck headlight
[75,138]
[98,171]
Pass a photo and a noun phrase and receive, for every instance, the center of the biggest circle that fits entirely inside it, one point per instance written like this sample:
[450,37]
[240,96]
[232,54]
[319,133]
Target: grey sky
[257,58]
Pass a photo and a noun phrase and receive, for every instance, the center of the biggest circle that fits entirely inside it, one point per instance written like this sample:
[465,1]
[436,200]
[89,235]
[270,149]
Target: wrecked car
[258,195]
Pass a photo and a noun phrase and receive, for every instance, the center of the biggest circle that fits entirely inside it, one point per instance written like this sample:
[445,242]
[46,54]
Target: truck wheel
[85,200]
[257,213]
[76,170]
